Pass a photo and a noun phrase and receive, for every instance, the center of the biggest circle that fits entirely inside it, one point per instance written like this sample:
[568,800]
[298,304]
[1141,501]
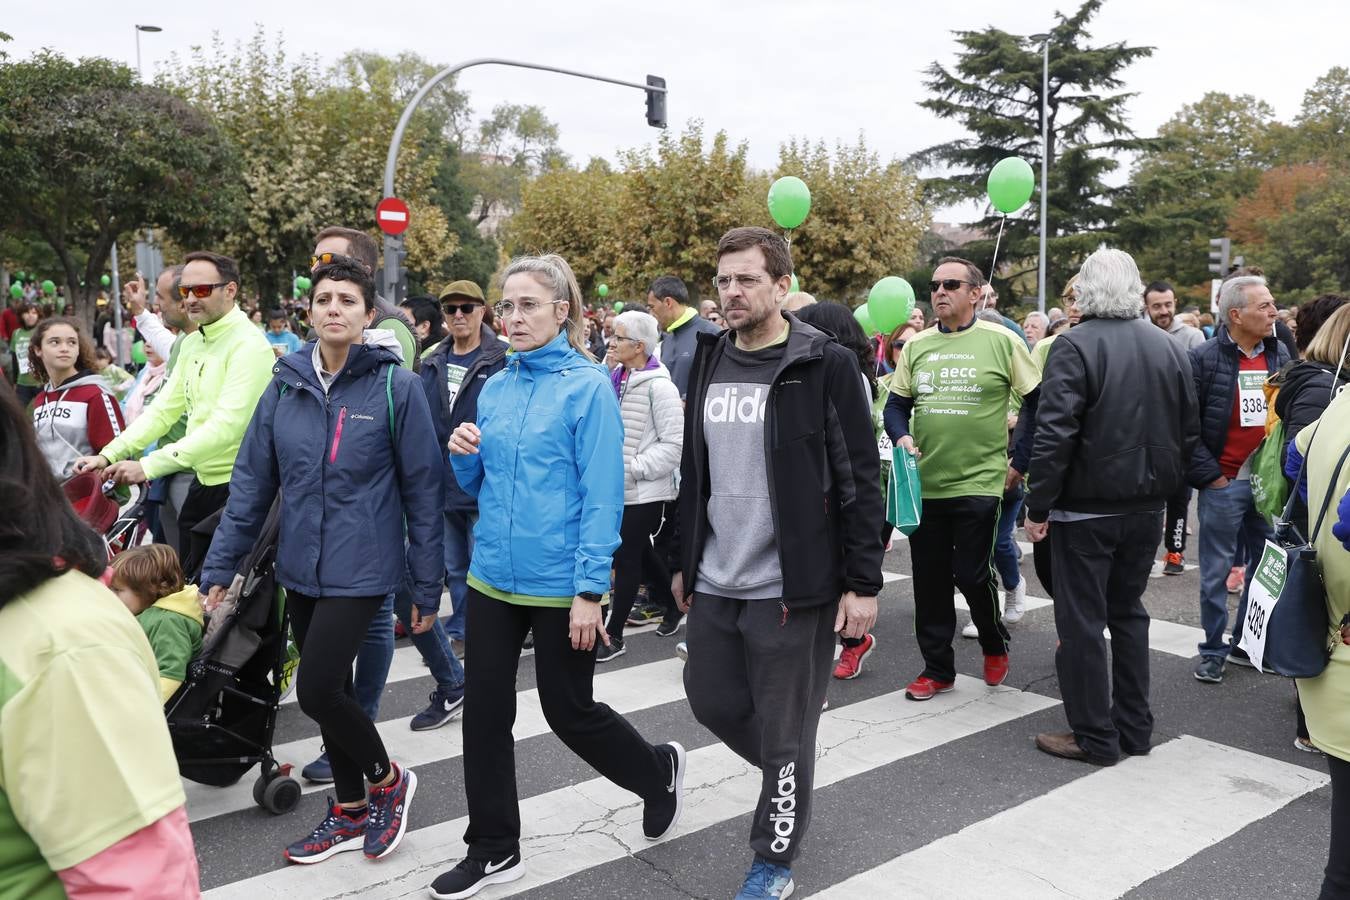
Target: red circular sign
[391,214]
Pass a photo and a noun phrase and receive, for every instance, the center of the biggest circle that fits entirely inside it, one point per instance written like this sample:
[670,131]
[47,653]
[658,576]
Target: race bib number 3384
[1251,399]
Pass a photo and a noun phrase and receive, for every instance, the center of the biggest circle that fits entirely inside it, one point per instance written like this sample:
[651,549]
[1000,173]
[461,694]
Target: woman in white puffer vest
[653,438]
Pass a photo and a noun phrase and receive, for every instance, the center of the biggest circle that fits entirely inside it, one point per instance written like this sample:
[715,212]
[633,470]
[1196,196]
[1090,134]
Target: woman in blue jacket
[344,434]
[545,461]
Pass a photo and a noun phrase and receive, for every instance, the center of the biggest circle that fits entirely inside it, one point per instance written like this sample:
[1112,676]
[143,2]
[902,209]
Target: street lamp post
[656,116]
[1045,156]
[150,29]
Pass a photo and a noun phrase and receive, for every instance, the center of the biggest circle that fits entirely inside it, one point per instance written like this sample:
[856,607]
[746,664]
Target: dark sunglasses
[466,308]
[200,291]
[324,259]
[897,344]
[947,284]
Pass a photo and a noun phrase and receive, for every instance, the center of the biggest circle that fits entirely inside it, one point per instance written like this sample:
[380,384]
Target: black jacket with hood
[821,459]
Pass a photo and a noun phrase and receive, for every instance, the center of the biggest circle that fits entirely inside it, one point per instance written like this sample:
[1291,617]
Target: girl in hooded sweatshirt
[74,414]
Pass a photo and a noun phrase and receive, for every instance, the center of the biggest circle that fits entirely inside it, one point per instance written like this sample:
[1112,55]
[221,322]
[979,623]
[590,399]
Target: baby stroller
[222,718]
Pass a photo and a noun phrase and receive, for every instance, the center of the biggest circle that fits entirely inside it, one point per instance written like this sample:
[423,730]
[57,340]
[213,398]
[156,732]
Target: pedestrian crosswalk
[1055,829]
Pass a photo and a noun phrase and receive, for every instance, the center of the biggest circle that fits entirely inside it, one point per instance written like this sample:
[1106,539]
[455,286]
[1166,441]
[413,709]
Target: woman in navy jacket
[346,437]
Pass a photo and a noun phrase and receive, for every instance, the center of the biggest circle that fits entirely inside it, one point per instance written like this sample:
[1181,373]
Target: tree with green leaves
[87,154]
[994,90]
[514,144]
[1182,190]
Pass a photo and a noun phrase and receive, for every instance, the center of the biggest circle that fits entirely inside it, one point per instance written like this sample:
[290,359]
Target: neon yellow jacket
[220,372]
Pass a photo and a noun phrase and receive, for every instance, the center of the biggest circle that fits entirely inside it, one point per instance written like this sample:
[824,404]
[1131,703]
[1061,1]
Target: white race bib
[1262,594]
[1251,399]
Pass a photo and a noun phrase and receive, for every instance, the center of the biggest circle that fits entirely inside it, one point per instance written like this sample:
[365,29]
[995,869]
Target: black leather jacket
[1117,422]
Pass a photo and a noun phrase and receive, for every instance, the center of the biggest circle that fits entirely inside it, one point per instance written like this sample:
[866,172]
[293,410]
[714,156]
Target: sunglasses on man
[200,291]
[947,284]
[465,308]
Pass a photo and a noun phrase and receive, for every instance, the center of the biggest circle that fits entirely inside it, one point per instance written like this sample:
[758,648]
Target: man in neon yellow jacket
[221,371]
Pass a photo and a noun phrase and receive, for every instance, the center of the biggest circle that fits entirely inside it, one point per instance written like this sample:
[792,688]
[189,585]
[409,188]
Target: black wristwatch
[590,595]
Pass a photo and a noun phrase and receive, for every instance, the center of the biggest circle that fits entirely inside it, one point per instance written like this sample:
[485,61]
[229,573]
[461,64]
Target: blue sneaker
[319,771]
[443,706]
[766,881]
[338,832]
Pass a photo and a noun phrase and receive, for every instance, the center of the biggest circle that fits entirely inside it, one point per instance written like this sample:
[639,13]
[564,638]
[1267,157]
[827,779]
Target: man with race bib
[1230,371]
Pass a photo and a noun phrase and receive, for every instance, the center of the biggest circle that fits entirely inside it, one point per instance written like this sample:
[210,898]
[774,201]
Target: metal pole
[140,73]
[116,301]
[1045,165]
[391,243]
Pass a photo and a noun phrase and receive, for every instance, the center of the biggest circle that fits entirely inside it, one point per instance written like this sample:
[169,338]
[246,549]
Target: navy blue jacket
[465,409]
[347,484]
[1214,365]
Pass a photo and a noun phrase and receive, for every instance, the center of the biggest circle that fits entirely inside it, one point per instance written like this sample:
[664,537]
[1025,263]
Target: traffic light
[656,102]
[1219,249]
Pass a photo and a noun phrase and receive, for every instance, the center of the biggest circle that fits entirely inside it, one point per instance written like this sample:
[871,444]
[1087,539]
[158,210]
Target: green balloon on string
[603,291]
[49,288]
[1010,184]
[105,281]
[138,353]
[16,290]
[20,277]
[789,201]
[890,302]
[865,320]
[618,306]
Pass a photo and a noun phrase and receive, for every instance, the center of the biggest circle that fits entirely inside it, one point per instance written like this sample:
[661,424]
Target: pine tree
[995,91]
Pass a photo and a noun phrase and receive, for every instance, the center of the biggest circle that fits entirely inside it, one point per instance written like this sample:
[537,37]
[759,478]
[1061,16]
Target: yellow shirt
[85,757]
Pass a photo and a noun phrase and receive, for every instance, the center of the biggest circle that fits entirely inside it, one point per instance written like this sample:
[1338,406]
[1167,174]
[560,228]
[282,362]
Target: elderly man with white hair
[1035,326]
[653,439]
[1116,428]
[1230,371]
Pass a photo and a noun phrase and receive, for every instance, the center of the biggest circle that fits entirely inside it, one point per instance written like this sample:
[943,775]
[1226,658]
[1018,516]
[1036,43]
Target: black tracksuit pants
[591,730]
[756,678]
[1101,568]
[637,562]
[1336,884]
[1174,525]
[953,547]
[328,632]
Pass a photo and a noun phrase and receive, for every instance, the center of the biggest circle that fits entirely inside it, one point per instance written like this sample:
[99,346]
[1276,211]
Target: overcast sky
[762,71]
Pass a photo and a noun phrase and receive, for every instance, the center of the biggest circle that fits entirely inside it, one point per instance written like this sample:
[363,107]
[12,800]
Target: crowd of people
[563,473]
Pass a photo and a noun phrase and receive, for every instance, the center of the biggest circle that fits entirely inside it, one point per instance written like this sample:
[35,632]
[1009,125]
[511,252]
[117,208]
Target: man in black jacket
[780,514]
[1115,431]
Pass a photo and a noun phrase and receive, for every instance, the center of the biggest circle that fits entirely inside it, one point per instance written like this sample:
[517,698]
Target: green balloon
[296,293]
[20,277]
[303,283]
[138,353]
[603,290]
[618,305]
[1011,182]
[16,290]
[105,281]
[890,302]
[789,201]
[865,320]
[49,287]
[795,286]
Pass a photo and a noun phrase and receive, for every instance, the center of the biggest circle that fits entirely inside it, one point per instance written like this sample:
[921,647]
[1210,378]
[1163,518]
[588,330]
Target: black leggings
[1336,884]
[328,632]
[635,562]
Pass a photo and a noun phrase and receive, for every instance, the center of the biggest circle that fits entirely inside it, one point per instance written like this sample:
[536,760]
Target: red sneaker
[851,660]
[995,669]
[925,688]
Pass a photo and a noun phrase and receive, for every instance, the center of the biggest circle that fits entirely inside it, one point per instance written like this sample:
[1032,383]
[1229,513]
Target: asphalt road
[941,799]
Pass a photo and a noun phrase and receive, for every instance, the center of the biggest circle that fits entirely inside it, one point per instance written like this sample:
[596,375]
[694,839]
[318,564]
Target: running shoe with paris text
[388,817]
[338,832]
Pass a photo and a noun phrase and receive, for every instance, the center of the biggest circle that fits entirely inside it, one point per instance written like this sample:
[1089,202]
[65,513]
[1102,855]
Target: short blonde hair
[152,570]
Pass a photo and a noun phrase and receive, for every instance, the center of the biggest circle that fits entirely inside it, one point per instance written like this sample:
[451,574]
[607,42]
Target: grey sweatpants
[756,678]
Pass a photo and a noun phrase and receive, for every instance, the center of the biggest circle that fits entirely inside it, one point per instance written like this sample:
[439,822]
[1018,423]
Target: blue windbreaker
[548,477]
[347,485]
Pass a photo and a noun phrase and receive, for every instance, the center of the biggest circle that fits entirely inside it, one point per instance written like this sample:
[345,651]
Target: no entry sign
[391,214]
